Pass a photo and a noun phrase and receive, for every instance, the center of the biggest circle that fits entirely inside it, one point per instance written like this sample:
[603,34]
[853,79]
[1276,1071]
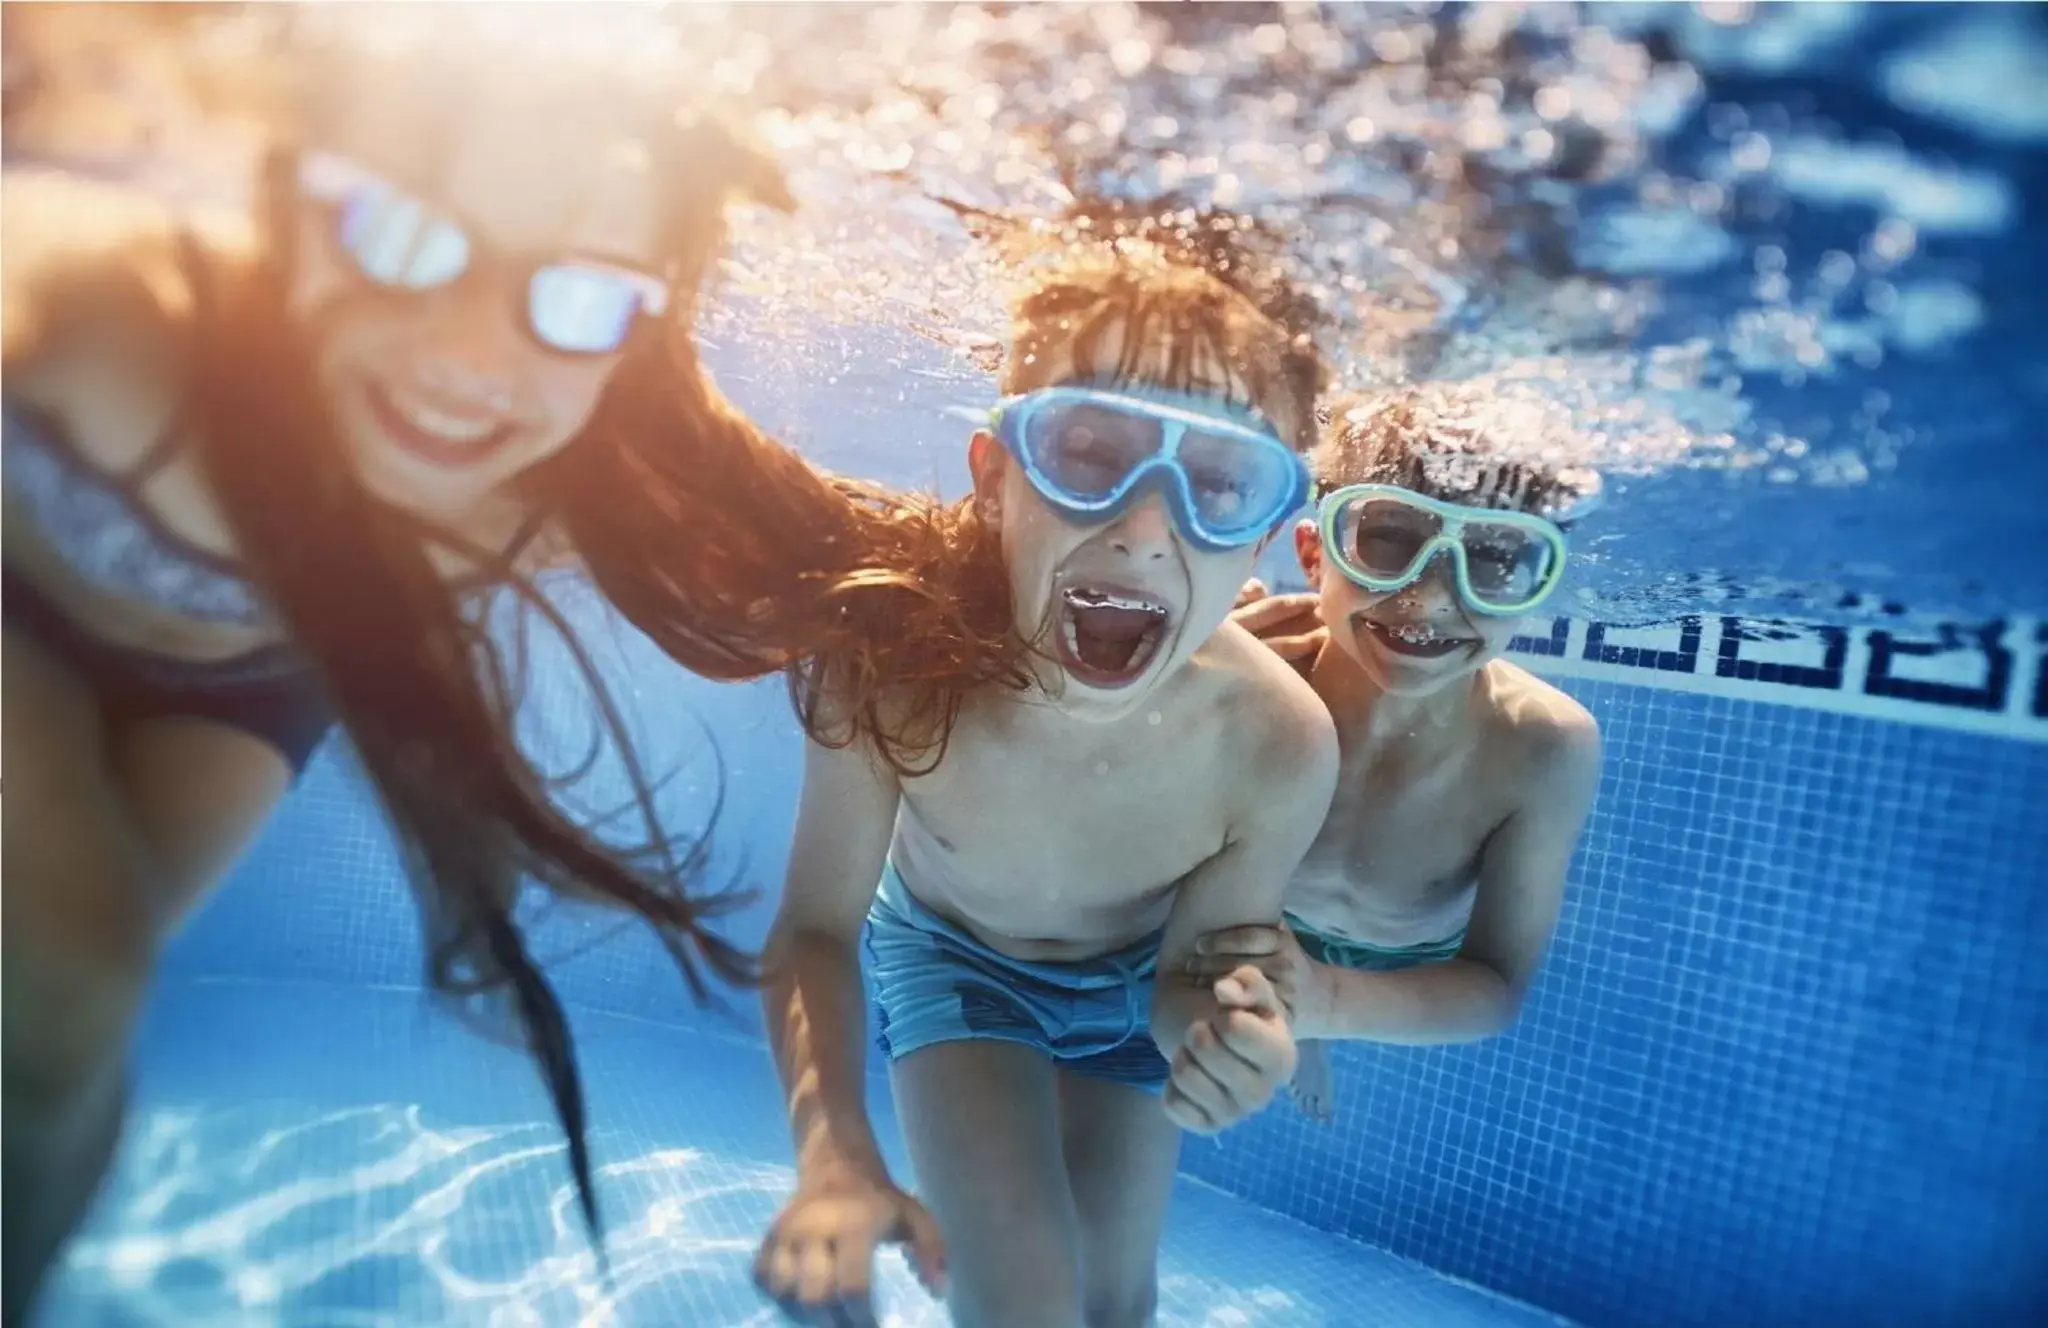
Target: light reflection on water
[368,1215]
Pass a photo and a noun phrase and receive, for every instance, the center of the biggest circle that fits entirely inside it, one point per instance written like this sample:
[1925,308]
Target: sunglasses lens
[1086,450]
[1382,538]
[581,310]
[398,241]
[1239,483]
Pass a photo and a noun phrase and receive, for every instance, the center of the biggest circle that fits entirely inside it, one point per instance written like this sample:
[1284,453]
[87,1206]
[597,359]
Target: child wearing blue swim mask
[1156,774]
[1423,910]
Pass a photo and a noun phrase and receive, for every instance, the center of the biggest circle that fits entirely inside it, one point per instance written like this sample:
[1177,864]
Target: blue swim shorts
[935,982]
[1361,956]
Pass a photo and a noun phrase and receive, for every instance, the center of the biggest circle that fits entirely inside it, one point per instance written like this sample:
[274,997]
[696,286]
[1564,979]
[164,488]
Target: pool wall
[1787,1062]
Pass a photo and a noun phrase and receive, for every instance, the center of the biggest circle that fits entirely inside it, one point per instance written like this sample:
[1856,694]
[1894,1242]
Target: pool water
[1787,1062]
[313,1154]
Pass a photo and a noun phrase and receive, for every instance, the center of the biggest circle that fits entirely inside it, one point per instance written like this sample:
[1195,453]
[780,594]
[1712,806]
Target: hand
[1290,625]
[1230,1064]
[1271,950]
[817,1262]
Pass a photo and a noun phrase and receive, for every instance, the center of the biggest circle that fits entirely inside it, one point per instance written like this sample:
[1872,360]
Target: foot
[1315,1094]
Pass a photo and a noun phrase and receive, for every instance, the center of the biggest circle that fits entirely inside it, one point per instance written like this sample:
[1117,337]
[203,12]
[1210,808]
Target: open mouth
[1107,637]
[1417,640]
[432,435]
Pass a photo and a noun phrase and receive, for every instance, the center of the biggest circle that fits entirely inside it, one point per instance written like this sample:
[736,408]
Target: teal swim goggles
[1089,452]
[1383,538]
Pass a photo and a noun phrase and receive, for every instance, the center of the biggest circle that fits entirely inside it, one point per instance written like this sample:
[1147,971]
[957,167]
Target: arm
[1521,887]
[813,999]
[1244,882]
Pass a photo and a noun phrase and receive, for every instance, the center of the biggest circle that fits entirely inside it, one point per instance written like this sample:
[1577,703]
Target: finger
[1207,968]
[1246,988]
[1245,941]
[1184,1112]
[853,1265]
[1261,616]
[927,1248]
[817,1268]
[776,1268]
[1253,591]
[1227,1063]
[1254,1039]
[1192,1075]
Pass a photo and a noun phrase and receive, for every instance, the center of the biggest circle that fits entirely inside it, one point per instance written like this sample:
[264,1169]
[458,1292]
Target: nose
[468,349]
[1433,591]
[1144,533]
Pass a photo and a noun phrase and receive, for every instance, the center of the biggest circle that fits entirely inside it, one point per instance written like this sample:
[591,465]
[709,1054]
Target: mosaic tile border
[1989,678]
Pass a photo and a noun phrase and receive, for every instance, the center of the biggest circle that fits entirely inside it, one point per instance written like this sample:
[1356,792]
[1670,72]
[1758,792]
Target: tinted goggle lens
[1091,452]
[398,241]
[1386,541]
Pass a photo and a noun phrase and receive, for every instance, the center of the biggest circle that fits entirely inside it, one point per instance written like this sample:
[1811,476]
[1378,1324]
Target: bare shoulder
[1555,737]
[1275,724]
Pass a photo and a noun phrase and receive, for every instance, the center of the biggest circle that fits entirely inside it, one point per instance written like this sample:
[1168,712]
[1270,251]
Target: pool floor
[320,1155]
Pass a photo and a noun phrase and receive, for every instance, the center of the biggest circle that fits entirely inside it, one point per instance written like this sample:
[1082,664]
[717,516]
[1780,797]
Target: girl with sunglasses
[257,475]
[1423,911]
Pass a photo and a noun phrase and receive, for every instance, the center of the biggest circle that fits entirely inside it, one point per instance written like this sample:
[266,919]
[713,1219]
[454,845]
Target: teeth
[453,428]
[1109,599]
[1414,634]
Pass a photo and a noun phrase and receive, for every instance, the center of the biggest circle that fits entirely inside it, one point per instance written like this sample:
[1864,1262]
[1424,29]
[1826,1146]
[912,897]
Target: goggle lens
[1089,450]
[1238,484]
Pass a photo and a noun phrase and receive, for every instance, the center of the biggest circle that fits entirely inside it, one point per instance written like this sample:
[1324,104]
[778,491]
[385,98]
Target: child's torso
[1397,861]
[1062,842]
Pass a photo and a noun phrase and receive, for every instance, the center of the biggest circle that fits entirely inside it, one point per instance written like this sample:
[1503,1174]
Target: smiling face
[444,395]
[1457,444]
[1117,606]
[1409,642]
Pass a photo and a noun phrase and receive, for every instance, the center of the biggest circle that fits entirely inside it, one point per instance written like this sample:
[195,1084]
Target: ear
[988,463]
[1308,548]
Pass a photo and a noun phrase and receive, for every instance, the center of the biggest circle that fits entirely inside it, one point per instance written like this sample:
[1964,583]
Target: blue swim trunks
[1363,957]
[935,982]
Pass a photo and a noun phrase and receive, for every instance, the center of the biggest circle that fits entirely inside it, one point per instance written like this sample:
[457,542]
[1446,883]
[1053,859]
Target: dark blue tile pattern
[1787,1062]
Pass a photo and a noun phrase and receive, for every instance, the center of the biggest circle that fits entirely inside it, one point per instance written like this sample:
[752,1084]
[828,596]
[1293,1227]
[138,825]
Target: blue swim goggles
[1089,452]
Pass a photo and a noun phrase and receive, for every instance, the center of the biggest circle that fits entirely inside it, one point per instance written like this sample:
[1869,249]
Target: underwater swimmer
[256,476]
[1423,910]
[1158,778]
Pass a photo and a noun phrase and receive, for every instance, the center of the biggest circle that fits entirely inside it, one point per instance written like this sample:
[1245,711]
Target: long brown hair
[732,553]
[424,692]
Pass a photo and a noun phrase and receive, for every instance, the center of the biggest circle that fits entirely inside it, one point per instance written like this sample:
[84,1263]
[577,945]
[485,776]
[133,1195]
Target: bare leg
[982,1122]
[1315,1091]
[105,843]
[1120,1151]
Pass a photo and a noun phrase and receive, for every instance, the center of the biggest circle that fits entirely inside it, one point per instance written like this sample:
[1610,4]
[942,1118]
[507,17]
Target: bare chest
[1402,844]
[1070,842]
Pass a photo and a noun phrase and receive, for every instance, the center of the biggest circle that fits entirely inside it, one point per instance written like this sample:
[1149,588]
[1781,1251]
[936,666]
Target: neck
[1367,715]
